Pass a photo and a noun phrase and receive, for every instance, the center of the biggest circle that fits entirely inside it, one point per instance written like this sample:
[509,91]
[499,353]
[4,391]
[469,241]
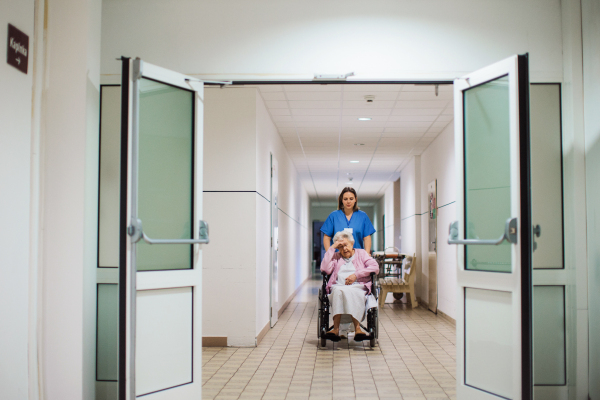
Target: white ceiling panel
[271,96]
[360,96]
[422,104]
[367,106]
[408,124]
[279,111]
[311,117]
[367,112]
[359,87]
[270,88]
[314,96]
[317,118]
[425,95]
[426,88]
[315,104]
[276,104]
[417,111]
[410,118]
[316,111]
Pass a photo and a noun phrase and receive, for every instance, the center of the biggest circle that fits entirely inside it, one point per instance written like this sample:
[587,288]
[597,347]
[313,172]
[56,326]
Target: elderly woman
[349,284]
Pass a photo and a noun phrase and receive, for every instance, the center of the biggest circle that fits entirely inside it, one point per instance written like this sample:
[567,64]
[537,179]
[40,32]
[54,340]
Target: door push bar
[135,231]
[510,235]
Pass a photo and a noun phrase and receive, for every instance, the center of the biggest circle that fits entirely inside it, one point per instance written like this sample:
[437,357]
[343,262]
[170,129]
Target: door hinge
[271,172]
[271,242]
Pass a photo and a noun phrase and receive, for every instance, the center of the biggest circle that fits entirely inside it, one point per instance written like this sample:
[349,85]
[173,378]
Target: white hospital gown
[348,299]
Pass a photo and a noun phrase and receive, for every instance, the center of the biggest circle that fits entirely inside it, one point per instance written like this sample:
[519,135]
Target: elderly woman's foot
[333,335]
[359,336]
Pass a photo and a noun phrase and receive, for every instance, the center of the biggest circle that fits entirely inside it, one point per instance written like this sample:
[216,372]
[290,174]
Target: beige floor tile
[415,359]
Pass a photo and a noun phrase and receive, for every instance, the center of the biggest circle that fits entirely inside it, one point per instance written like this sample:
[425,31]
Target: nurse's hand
[351,279]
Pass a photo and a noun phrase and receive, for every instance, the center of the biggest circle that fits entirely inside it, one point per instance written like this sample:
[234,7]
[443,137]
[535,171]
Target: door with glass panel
[161,234]
[493,232]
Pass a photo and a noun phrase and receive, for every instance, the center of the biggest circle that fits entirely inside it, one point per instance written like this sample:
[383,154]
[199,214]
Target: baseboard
[262,333]
[422,303]
[289,300]
[447,317]
[214,341]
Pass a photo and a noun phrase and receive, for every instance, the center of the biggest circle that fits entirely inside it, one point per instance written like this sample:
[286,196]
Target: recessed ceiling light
[359,144]
[354,162]
[364,119]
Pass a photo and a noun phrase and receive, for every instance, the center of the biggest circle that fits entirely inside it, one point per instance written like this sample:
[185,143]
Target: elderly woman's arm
[370,266]
[327,263]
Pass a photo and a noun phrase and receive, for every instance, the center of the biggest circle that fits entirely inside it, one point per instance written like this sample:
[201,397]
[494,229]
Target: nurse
[348,216]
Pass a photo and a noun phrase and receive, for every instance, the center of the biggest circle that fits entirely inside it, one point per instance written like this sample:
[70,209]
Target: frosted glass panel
[110,178]
[488,341]
[165,175]
[487,174]
[549,335]
[108,332]
[546,175]
[163,339]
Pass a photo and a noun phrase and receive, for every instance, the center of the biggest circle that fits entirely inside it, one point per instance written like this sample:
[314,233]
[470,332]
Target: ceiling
[320,128]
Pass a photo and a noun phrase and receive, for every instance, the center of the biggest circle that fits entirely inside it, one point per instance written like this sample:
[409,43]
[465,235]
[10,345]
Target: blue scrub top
[359,222]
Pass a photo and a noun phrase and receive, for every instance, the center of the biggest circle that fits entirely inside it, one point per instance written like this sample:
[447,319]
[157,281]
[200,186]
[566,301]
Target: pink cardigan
[363,262]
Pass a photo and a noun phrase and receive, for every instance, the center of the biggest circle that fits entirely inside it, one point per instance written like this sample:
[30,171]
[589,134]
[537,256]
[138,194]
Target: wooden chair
[405,284]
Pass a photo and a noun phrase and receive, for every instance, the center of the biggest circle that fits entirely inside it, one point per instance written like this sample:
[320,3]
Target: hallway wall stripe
[258,193]
[410,216]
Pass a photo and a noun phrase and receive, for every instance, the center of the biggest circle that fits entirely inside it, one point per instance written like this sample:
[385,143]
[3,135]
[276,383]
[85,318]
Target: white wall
[295,244]
[15,170]
[389,39]
[410,215]
[437,162]
[239,138]
[229,261]
[69,181]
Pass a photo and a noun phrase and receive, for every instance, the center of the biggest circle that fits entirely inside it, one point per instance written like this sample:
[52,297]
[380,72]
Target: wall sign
[17,50]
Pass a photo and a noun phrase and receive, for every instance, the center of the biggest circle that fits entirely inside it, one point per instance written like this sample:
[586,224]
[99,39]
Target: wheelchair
[323,327]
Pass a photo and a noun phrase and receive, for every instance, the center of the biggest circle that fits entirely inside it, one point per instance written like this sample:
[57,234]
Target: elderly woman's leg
[357,329]
[336,324]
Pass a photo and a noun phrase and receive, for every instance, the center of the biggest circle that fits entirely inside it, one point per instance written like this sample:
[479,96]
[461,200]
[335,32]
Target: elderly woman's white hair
[345,234]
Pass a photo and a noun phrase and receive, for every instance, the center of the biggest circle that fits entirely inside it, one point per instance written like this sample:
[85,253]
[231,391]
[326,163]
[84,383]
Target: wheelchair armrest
[374,284]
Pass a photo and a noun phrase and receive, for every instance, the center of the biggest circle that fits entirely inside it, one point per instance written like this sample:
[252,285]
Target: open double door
[159,300]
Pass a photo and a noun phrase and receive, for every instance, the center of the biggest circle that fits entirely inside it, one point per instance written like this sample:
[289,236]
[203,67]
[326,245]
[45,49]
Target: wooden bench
[403,284]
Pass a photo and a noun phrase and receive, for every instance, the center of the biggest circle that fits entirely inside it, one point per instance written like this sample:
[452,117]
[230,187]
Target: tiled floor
[415,359]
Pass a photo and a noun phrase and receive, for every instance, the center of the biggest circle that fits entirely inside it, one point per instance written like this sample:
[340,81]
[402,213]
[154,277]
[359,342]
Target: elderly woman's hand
[337,245]
[351,279]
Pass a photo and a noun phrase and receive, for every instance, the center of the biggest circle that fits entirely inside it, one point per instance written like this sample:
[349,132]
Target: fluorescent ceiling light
[359,144]
[354,162]
[364,119]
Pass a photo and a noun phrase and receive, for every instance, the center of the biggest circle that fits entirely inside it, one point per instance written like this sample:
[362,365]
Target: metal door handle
[510,235]
[136,232]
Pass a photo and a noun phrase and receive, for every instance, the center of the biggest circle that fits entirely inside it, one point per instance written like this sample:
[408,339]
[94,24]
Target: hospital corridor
[415,359]
[349,199]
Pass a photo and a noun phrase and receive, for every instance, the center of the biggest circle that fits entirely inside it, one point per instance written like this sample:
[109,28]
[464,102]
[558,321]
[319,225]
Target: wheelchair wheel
[373,326]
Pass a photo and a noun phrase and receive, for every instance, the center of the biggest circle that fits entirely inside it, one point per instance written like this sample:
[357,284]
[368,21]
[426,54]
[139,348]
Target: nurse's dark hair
[341,203]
